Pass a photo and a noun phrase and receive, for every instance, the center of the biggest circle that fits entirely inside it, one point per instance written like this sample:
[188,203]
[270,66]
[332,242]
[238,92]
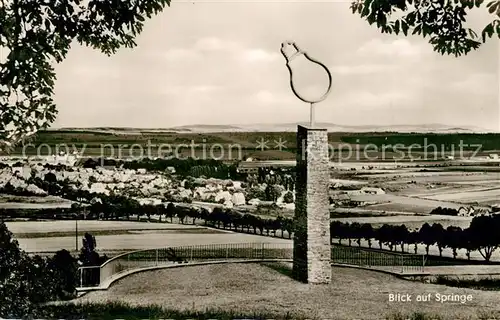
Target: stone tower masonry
[311,243]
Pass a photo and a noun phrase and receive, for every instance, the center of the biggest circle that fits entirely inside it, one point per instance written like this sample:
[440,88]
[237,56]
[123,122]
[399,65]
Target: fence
[357,256]
[378,259]
[95,276]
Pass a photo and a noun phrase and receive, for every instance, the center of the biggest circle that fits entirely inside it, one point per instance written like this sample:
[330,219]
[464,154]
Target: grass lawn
[114,311]
[267,288]
[31,199]
[19,227]
[144,240]
[111,236]
[96,233]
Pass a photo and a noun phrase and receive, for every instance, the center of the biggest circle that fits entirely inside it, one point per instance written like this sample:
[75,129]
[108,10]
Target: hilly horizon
[286,127]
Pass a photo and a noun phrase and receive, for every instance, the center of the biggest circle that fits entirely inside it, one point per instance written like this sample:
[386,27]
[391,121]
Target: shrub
[24,281]
[256,193]
[288,197]
[64,272]
[444,211]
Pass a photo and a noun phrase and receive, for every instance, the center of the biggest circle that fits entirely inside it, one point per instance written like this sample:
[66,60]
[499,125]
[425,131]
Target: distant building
[247,169]
[371,190]
[341,197]
[463,212]
[171,170]
[472,212]
[149,201]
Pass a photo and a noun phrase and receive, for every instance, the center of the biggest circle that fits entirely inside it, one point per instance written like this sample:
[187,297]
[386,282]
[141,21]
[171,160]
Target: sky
[219,62]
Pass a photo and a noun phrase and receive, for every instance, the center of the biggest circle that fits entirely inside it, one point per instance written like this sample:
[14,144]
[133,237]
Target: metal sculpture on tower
[292,52]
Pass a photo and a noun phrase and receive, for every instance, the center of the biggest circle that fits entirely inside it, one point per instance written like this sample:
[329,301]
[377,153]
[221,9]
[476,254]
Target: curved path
[101,277]
[401,265]
[104,285]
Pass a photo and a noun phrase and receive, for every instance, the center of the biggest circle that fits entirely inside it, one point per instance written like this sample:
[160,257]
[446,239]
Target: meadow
[121,236]
[410,195]
[268,288]
[98,142]
[412,190]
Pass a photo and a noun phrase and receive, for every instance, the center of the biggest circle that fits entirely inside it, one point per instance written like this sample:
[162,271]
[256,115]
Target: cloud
[95,71]
[478,84]
[216,48]
[371,100]
[259,55]
[183,72]
[362,69]
[274,99]
[179,90]
[215,44]
[398,47]
[265,97]
[180,54]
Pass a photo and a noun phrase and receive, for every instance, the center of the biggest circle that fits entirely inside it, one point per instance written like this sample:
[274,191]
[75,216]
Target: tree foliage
[64,274]
[12,284]
[442,21]
[27,281]
[36,34]
[288,197]
[483,233]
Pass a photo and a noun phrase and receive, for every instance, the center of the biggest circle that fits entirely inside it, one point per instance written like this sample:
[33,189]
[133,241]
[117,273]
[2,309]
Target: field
[249,288]
[37,236]
[411,190]
[98,142]
[18,202]
[412,186]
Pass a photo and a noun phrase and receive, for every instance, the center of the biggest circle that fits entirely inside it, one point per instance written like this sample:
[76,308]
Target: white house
[99,188]
[171,170]
[238,199]
[472,212]
[150,201]
[371,190]
[23,172]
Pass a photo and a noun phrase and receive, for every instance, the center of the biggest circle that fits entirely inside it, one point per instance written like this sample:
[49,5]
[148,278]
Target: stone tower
[311,243]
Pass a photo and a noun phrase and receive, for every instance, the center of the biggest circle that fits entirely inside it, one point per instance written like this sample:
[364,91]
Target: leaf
[417,29]
[364,11]
[493,7]
[26,71]
[410,18]
[487,31]
[354,7]
[404,26]
[472,33]
[396,27]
